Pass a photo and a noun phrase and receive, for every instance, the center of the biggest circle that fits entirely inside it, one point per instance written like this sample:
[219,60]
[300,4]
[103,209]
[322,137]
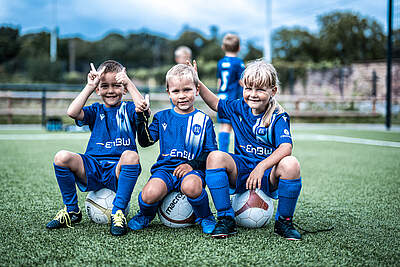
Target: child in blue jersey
[111,159]
[229,70]
[186,137]
[263,148]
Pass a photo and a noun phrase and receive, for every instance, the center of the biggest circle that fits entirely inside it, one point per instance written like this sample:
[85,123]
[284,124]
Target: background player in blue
[111,159]
[229,70]
[186,136]
[263,148]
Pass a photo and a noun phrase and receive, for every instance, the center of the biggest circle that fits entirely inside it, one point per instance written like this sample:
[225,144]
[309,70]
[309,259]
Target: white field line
[305,137]
[343,139]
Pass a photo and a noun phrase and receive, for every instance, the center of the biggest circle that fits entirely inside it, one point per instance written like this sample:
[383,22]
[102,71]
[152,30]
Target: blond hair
[231,43]
[182,71]
[260,74]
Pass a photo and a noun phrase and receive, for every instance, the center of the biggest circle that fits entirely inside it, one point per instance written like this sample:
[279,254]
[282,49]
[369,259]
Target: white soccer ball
[253,208]
[175,211]
[99,205]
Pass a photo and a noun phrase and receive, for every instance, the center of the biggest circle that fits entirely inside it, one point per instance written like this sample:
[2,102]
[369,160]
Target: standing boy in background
[229,70]
[182,54]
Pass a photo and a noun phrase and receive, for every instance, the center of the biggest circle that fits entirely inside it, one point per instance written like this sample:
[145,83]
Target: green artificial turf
[355,188]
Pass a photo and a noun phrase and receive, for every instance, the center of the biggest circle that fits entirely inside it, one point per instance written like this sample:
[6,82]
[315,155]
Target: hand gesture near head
[93,78]
[193,65]
[122,77]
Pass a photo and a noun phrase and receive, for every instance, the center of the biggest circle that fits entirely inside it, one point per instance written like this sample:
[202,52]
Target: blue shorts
[174,183]
[99,174]
[245,166]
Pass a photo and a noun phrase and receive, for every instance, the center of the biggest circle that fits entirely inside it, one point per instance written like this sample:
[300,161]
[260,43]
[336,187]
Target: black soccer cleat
[64,219]
[226,226]
[118,224]
[284,228]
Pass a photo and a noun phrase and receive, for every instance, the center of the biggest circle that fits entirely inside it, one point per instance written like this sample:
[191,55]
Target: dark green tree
[9,43]
[295,44]
[349,37]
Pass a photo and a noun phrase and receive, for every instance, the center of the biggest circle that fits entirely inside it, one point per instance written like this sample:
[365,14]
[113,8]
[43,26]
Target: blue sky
[93,19]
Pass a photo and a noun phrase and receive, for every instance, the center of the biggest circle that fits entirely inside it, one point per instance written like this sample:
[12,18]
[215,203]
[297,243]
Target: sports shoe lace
[118,218]
[63,217]
[313,231]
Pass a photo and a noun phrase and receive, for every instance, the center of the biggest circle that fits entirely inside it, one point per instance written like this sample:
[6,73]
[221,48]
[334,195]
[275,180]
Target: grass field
[354,187]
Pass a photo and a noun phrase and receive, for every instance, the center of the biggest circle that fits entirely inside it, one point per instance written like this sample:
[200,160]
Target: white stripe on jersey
[194,141]
[123,119]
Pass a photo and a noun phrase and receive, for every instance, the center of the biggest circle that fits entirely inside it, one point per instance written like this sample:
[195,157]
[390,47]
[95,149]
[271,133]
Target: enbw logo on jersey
[261,131]
[196,129]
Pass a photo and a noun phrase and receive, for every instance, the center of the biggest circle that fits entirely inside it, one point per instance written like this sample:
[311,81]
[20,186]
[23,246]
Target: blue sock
[126,182]
[288,192]
[66,183]
[148,210]
[223,140]
[201,207]
[218,183]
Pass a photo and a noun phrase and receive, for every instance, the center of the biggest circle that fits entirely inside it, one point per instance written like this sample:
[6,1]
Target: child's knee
[192,187]
[152,193]
[214,159]
[63,158]
[289,168]
[129,157]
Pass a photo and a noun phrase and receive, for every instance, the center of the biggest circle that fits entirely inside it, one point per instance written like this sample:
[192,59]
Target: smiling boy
[111,159]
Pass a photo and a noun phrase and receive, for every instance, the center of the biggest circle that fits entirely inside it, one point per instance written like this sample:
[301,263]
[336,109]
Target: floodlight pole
[54,34]
[267,37]
[389,67]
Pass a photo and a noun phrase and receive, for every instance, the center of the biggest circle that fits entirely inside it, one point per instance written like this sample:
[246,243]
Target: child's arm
[75,110]
[143,132]
[209,97]
[254,180]
[123,78]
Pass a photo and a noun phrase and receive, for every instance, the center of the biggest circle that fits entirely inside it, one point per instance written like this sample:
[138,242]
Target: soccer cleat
[139,221]
[207,224]
[225,227]
[118,224]
[64,219]
[284,228]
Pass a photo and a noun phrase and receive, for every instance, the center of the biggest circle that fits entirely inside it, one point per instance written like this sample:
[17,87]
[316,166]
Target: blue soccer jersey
[113,130]
[252,139]
[229,70]
[182,137]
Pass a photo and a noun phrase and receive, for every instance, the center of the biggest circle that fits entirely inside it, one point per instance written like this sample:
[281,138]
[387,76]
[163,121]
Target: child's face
[182,93]
[109,90]
[258,98]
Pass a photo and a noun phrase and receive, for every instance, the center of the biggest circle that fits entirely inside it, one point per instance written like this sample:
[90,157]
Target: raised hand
[193,65]
[94,76]
[122,77]
[143,104]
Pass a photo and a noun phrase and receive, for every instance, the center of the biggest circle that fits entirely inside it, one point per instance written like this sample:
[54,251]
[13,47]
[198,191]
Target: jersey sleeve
[241,68]
[219,70]
[210,140]
[282,131]
[227,107]
[89,116]
[154,127]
